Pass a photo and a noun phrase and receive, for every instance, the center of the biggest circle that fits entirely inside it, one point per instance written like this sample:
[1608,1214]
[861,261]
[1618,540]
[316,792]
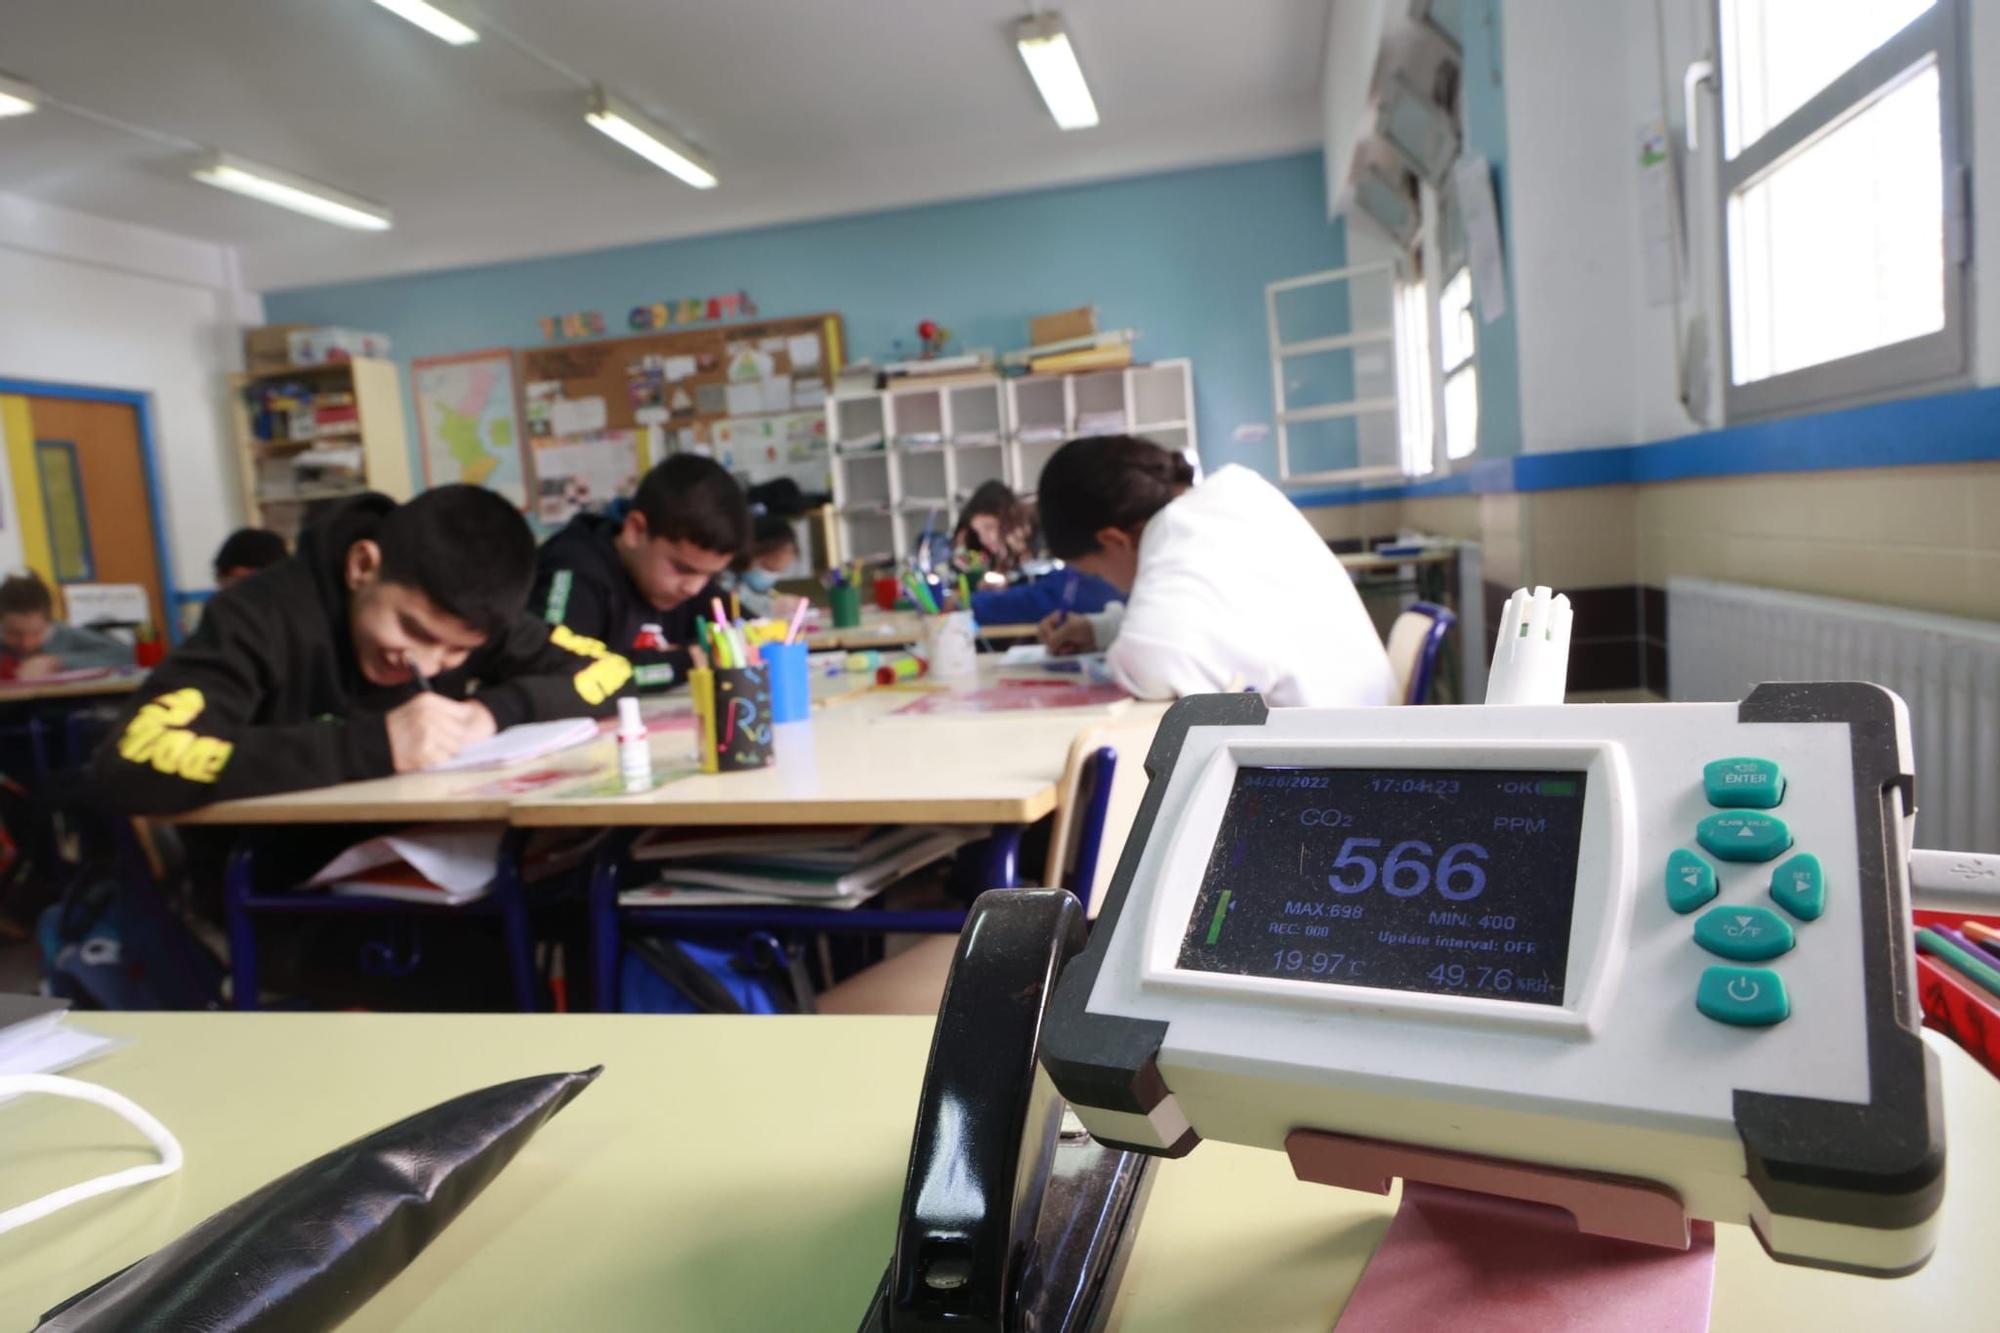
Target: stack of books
[1109,350]
[819,867]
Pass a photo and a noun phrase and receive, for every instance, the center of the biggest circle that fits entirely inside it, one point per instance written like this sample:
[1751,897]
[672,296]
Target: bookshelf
[1154,401]
[333,431]
[905,455]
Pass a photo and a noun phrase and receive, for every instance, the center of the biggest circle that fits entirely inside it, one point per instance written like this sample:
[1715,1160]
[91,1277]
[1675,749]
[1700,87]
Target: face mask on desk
[123,1107]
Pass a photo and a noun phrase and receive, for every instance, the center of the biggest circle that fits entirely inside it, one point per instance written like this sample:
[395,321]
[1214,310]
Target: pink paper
[1457,1259]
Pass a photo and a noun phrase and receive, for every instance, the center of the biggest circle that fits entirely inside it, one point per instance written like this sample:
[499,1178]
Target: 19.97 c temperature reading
[1319,963]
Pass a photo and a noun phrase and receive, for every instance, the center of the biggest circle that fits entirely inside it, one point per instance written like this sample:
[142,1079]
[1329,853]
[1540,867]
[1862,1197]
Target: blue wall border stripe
[1942,428]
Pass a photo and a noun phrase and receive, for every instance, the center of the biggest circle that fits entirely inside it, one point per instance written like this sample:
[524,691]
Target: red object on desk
[886,593]
[1953,1003]
[149,653]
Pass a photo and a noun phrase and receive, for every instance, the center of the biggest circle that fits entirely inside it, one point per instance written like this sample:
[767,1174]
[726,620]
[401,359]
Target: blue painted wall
[1181,256]
[1484,95]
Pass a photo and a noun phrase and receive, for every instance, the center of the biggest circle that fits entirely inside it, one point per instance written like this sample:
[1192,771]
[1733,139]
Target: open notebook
[530,740]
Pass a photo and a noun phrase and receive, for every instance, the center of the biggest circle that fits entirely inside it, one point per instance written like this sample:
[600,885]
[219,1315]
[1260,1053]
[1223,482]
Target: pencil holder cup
[887,593]
[949,646]
[732,709]
[791,683]
[846,599]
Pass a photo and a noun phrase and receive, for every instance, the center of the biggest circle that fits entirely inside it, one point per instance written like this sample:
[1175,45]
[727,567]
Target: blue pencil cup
[791,685]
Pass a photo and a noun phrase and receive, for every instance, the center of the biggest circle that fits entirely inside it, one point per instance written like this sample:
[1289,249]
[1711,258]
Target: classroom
[1112,665]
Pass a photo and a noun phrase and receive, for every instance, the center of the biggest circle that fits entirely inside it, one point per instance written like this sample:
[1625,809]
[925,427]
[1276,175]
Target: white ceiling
[808,108]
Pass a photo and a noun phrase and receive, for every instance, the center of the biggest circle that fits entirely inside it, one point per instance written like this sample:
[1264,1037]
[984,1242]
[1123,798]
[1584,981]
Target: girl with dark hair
[997,529]
[1227,585]
[996,526]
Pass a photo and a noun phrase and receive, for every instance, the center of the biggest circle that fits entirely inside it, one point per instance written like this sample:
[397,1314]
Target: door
[81,497]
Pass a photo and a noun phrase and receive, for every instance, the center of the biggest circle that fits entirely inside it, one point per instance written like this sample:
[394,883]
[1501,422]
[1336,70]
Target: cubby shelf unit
[912,454]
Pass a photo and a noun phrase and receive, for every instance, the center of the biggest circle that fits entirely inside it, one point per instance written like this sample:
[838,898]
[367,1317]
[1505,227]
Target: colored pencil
[798,622]
[1938,945]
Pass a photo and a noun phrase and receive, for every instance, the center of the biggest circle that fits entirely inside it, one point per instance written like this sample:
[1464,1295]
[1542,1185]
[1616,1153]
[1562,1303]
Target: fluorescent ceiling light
[432,20]
[617,119]
[294,192]
[1051,60]
[17,98]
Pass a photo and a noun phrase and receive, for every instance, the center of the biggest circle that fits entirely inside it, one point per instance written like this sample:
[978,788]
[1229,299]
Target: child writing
[1227,586]
[753,579]
[638,582]
[394,638]
[996,530]
[34,644]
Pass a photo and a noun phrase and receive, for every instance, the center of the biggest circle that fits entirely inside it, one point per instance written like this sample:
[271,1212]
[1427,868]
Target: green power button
[1744,997]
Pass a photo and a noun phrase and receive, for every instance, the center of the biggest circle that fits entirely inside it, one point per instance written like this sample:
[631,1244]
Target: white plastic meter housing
[1665,942]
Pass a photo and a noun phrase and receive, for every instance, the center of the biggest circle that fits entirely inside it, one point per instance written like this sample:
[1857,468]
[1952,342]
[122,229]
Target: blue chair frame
[608,921]
[1442,618]
[508,900]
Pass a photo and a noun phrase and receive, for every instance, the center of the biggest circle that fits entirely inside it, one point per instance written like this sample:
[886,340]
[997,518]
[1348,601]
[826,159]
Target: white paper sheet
[530,740]
[1473,177]
[803,350]
[577,416]
[458,858]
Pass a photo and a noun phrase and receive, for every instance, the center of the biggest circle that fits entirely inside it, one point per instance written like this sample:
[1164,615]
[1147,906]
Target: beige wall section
[1380,518]
[1918,537]
[1927,538]
[1580,538]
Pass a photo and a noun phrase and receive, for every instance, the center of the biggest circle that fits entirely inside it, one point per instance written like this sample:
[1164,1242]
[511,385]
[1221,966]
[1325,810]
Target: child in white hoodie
[1227,585]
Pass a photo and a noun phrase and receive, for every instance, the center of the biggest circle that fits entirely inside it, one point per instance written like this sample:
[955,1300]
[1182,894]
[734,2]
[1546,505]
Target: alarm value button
[1747,934]
[1735,837]
[1690,881]
[1747,997]
[1743,782]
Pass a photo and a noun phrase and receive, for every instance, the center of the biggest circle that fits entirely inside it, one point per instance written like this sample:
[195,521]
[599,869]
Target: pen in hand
[423,681]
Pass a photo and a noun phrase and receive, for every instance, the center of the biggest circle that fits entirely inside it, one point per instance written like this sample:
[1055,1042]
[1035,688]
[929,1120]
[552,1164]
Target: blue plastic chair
[1416,641]
[611,865]
[507,900]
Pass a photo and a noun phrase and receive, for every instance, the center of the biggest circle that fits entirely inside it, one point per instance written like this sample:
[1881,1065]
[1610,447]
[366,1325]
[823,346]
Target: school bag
[110,943]
[659,975]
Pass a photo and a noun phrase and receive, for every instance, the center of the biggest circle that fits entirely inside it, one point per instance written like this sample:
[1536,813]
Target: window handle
[1698,73]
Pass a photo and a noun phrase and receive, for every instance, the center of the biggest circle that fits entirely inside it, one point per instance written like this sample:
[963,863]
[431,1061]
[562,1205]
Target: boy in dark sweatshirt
[637,584]
[393,638]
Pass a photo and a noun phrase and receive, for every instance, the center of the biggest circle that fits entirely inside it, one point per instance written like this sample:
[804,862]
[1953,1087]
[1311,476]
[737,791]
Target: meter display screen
[1448,881]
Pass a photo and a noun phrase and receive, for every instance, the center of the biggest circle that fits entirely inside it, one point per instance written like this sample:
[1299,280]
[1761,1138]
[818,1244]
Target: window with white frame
[1416,433]
[1843,192]
[1457,346]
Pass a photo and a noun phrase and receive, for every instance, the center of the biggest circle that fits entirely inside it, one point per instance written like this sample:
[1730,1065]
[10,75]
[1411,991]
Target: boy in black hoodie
[638,584]
[393,639]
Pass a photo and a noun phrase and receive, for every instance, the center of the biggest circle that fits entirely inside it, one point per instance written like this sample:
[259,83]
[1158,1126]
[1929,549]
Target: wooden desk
[840,768]
[1372,562]
[857,765]
[686,1190]
[28,691]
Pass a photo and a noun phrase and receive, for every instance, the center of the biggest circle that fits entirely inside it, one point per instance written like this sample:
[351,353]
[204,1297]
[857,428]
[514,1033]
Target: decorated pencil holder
[949,646]
[791,684]
[732,709]
[846,599]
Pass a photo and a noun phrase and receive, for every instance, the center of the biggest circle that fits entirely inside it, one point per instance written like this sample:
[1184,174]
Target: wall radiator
[1725,638]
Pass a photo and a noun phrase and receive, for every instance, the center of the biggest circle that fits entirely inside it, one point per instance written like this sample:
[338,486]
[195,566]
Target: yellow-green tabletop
[743,1174]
